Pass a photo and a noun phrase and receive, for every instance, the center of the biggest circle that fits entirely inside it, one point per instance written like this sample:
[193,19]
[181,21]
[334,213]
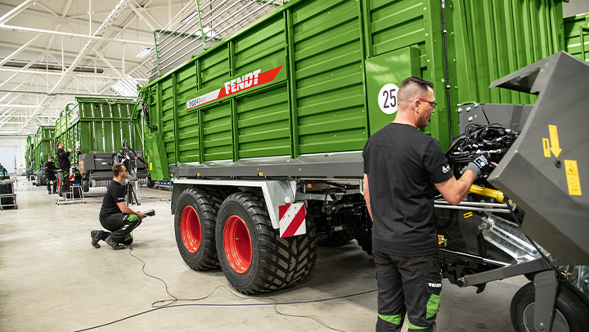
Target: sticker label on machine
[551,146]
[238,84]
[387,98]
[291,218]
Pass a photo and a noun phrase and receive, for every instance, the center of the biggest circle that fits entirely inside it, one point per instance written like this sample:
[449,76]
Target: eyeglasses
[433,103]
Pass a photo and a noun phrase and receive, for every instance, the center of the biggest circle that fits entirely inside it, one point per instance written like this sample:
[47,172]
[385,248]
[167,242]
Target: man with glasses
[115,215]
[402,169]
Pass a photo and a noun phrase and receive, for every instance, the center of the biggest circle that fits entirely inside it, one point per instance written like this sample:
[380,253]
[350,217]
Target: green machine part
[576,35]
[44,146]
[314,76]
[29,148]
[97,125]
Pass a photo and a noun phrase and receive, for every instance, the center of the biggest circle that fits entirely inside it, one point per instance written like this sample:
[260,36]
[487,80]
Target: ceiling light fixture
[143,52]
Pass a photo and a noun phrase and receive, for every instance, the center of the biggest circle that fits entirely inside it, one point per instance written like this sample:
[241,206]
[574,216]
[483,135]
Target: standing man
[50,168]
[63,158]
[115,215]
[402,169]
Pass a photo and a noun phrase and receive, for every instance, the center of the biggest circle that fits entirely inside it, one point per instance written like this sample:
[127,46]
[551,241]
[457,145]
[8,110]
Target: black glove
[478,165]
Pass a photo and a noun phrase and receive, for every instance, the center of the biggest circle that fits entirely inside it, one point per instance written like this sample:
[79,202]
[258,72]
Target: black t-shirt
[63,160]
[114,194]
[50,170]
[402,165]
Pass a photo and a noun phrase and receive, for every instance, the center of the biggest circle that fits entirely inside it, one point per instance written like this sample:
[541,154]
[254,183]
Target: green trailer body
[576,32]
[96,125]
[321,76]
[29,148]
[43,146]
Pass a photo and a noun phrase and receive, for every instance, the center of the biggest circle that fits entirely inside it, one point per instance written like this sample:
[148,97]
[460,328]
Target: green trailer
[44,147]
[97,128]
[272,121]
[29,148]
[576,31]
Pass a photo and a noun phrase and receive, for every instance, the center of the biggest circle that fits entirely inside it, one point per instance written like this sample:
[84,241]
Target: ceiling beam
[15,11]
[43,72]
[94,37]
[20,49]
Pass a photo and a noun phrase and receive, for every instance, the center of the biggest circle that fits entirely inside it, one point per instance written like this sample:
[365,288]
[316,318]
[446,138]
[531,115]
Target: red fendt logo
[238,84]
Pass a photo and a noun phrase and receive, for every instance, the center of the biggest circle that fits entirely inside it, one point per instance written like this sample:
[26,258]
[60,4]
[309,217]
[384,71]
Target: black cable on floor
[274,303]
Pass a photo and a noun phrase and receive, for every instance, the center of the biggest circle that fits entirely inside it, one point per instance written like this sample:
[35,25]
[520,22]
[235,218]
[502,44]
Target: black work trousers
[407,285]
[121,225]
[54,185]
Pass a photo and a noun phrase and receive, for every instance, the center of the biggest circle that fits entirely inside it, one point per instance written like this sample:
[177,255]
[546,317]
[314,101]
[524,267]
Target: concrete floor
[52,279]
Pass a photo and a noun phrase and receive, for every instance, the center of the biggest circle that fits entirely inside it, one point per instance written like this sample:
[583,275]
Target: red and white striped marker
[291,218]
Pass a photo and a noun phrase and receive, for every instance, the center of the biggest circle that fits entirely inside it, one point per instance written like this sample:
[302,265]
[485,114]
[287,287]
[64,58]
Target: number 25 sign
[387,98]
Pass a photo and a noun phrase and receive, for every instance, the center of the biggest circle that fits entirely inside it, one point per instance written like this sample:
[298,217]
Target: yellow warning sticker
[554,143]
[468,214]
[546,146]
[573,179]
[151,166]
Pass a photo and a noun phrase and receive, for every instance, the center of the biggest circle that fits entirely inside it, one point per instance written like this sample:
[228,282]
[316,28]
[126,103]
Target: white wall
[18,142]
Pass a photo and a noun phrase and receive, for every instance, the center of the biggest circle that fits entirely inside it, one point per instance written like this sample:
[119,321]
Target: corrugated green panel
[576,35]
[397,24]
[215,68]
[263,124]
[260,47]
[188,131]
[217,139]
[167,126]
[495,38]
[329,77]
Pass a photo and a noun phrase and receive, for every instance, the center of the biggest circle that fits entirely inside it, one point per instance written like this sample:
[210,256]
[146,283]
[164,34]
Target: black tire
[194,225]
[364,238]
[275,262]
[571,314]
[85,185]
[150,183]
[335,239]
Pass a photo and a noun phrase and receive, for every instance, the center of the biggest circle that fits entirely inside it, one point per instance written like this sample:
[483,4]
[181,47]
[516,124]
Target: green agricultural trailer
[98,128]
[263,134]
[29,148]
[576,34]
[43,148]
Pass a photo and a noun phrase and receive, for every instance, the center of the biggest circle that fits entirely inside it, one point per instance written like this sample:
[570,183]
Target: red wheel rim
[190,229]
[237,243]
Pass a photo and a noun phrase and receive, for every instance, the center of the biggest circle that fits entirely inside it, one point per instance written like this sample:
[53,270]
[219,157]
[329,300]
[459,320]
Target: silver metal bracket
[276,192]
[546,286]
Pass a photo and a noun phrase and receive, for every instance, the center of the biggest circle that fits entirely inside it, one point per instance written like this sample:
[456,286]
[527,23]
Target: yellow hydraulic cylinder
[493,193]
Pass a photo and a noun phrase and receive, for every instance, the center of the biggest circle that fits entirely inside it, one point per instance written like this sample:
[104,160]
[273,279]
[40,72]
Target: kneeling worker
[115,215]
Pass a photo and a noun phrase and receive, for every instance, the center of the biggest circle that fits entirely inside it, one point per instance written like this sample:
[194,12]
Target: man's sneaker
[114,244]
[95,235]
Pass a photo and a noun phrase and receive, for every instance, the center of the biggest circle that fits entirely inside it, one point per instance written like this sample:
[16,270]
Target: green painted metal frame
[577,36]
[97,125]
[43,146]
[326,45]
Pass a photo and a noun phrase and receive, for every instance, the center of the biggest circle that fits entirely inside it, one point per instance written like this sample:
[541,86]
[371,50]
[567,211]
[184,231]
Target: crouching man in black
[115,215]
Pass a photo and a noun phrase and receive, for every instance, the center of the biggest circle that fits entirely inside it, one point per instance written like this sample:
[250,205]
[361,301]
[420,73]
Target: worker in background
[402,169]
[115,215]
[50,169]
[63,158]
[3,173]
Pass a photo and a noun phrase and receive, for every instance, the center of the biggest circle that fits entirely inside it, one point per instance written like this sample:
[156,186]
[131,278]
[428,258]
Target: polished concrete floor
[52,279]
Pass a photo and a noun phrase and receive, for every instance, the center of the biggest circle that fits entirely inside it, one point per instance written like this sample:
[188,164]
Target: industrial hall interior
[294,165]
